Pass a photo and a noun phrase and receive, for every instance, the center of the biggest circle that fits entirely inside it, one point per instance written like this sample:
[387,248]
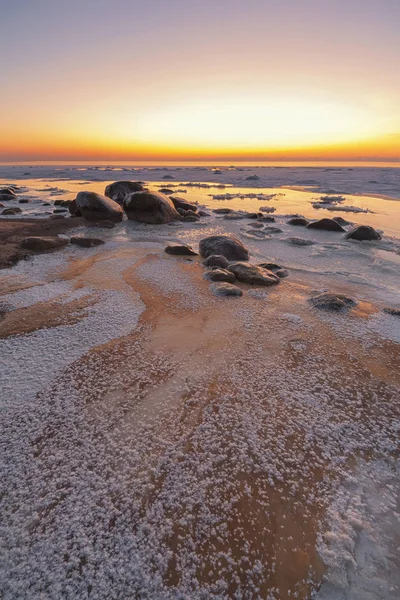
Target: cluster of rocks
[357,232]
[40,244]
[226,264]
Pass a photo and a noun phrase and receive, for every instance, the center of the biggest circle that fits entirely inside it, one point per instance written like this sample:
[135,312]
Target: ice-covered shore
[160,442]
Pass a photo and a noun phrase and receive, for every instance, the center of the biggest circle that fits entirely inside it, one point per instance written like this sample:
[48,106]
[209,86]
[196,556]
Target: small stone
[86,242]
[180,250]
[295,241]
[225,289]
[334,302]
[216,260]
[23,201]
[216,274]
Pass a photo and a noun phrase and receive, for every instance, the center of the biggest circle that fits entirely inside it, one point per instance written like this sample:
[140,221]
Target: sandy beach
[161,441]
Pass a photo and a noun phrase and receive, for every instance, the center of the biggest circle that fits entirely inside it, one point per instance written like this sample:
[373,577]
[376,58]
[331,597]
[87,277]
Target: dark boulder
[325,225]
[150,207]
[253,274]
[5,197]
[216,260]
[225,289]
[223,211]
[11,211]
[299,221]
[166,191]
[180,250]
[95,207]
[86,242]
[334,302]
[295,241]
[219,275]
[181,203]
[276,269]
[119,190]
[43,244]
[252,178]
[225,245]
[395,312]
[9,191]
[363,232]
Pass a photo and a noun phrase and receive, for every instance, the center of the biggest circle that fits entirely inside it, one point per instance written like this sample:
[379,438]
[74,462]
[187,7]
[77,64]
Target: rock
[203,213]
[222,211]
[253,274]
[234,216]
[225,245]
[325,225]
[335,302]
[168,177]
[58,202]
[42,244]
[59,210]
[73,209]
[11,211]
[257,225]
[298,221]
[295,241]
[363,232]
[95,207]
[23,201]
[219,275]
[119,190]
[216,260]
[8,192]
[5,197]
[256,215]
[180,250]
[150,207]
[1,205]
[225,289]
[392,311]
[166,191]
[341,221]
[272,230]
[105,224]
[86,242]
[267,219]
[276,269]
[190,218]
[252,178]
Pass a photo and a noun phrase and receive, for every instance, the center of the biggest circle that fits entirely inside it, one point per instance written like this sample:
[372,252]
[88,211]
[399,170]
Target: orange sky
[221,80]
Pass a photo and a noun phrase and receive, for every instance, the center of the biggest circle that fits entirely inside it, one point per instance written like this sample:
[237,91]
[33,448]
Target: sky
[199,80]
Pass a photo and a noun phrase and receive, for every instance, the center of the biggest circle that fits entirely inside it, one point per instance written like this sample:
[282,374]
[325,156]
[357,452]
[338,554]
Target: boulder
[216,260]
[363,232]
[253,274]
[325,225]
[341,221]
[272,230]
[73,208]
[219,275]
[181,203]
[298,221]
[43,244]
[119,190]
[225,245]
[86,242]
[223,211]
[203,213]
[180,250]
[276,269]
[8,192]
[11,211]
[166,191]
[225,289]
[95,207]
[6,197]
[252,178]
[168,177]
[190,218]
[334,302]
[150,207]
[24,201]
